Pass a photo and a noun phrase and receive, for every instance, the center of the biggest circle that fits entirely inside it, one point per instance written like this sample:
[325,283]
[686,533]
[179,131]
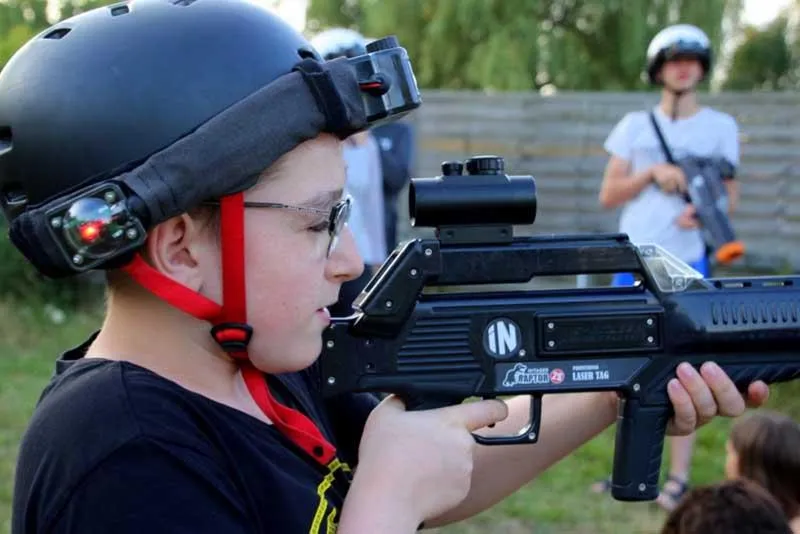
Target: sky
[759,12]
[756,12]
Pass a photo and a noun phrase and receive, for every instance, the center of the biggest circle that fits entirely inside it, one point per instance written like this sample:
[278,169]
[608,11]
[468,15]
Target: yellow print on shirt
[330,524]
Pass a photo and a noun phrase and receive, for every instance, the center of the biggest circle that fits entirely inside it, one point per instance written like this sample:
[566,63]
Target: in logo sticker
[502,338]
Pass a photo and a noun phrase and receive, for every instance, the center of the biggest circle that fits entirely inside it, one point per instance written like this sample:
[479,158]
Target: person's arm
[570,420]
[619,185]
[374,212]
[732,187]
[143,487]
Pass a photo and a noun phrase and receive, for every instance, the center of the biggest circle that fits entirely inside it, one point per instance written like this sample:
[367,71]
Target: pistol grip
[638,450]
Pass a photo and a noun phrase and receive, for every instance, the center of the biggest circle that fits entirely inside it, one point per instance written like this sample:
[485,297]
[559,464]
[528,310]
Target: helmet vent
[5,139]
[183,2]
[57,33]
[13,198]
[122,9]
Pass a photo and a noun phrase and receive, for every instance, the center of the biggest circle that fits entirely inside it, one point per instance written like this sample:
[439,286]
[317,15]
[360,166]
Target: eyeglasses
[337,216]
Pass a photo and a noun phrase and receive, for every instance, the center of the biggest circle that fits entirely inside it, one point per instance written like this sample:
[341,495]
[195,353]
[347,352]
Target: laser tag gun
[437,348]
[705,189]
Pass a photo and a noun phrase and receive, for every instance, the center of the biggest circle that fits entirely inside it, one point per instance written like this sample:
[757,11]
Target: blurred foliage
[521,45]
[764,59]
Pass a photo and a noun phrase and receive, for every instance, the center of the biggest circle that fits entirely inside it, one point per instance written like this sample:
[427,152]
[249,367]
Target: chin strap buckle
[232,337]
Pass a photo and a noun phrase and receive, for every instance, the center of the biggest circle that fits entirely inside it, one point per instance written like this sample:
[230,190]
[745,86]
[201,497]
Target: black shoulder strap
[661,139]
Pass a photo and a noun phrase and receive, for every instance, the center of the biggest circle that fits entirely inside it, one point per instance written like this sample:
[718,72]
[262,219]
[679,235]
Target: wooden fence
[558,139]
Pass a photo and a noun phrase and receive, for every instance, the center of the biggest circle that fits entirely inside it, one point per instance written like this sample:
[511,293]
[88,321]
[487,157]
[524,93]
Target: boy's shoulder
[719,117]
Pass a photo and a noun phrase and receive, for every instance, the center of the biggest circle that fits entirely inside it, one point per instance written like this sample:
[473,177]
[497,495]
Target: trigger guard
[529,434]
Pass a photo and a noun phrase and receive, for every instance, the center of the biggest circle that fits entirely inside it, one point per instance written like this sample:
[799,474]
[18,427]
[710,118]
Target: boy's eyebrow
[323,201]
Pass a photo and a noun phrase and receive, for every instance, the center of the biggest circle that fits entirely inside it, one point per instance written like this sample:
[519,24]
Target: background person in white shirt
[649,190]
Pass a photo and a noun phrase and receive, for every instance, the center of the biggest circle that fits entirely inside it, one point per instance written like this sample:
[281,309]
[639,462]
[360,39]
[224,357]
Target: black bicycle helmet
[116,119]
[61,125]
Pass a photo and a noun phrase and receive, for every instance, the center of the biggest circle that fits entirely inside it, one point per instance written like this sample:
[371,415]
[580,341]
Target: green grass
[30,342]
[558,501]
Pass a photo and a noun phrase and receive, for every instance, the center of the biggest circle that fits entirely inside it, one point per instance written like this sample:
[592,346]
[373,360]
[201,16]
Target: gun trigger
[529,434]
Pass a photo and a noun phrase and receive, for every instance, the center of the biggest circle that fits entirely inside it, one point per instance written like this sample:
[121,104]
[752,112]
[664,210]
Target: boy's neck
[145,331]
[687,104]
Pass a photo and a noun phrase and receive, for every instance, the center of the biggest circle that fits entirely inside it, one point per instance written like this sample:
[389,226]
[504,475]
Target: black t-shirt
[113,447]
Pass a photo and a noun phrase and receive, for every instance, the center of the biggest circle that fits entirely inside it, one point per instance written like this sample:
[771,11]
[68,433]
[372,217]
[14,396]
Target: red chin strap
[231,330]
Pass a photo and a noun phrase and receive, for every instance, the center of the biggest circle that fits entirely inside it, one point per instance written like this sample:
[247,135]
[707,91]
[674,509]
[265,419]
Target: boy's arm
[568,421]
[619,185]
[732,187]
[142,487]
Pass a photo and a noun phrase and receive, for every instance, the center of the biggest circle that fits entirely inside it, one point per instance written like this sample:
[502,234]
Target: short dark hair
[740,506]
[768,446]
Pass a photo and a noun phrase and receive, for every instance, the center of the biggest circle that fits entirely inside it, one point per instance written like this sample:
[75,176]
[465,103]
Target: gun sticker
[502,338]
[522,375]
[590,373]
[573,374]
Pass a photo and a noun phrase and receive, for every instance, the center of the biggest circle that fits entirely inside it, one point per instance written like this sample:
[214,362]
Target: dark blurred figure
[397,144]
[733,507]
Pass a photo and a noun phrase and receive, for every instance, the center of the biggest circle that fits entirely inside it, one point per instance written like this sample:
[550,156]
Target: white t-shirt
[365,185]
[650,216]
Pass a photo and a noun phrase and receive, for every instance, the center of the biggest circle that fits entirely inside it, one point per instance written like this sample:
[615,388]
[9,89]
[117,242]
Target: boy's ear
[173,248]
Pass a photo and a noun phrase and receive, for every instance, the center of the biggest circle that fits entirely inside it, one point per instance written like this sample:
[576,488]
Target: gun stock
[437,349]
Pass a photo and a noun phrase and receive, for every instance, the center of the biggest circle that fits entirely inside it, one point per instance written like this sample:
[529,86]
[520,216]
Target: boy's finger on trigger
[479,414]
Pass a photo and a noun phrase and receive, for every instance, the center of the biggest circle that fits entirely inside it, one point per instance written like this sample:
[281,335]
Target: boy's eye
[319,227]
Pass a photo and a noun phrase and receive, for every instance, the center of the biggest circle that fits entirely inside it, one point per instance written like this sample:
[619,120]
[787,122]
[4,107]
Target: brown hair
[740,506]
[768,446]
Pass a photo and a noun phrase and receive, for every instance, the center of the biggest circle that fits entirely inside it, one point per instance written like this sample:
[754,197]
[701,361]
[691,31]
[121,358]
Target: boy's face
[731,462]
[681,73]
[289,279]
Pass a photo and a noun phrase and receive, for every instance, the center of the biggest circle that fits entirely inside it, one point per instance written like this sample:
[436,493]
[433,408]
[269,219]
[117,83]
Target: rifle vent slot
[766,313]
[13,198]
[435,344]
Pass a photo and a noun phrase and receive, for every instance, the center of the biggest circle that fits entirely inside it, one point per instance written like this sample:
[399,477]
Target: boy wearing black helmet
[649,190]
[160,141]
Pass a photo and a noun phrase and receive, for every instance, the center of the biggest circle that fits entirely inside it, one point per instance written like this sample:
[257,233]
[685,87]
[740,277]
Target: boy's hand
[688,218]
[423,459]
[670,178]
[699,396]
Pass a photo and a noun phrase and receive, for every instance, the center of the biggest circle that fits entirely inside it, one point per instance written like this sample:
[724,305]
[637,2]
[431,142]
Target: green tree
[22,19]
[763,59]
[524,44]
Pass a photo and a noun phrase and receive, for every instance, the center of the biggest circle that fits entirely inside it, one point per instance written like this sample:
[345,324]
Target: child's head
[740,506]
[679,57]
[228,156]
[765,447]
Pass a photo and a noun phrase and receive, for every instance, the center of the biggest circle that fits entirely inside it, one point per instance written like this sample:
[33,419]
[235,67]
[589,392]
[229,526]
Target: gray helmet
[679,40]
